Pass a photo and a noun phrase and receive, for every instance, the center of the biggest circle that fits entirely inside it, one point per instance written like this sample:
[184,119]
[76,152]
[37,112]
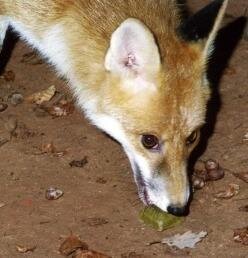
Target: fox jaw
[155,108]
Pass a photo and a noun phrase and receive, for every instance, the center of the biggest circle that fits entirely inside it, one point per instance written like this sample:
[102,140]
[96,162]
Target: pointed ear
[132,51]
[204,25]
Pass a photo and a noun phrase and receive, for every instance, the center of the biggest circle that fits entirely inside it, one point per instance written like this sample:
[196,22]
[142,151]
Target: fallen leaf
[42,96]
[53,193]
[8,76]
[245,138]
[244,208]
[241,235]
[2,204]
[23,249]
[232,190]
[49,148]
[3,141]
[188,239]
[71,244]
[79,163]
[242,176]
[89,254]
[61,109]
[101,180]
[158,219]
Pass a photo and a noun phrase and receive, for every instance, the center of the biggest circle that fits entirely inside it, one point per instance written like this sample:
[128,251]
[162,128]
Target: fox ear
[132,50]
[204,25]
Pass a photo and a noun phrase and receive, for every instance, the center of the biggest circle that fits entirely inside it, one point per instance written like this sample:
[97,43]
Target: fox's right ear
[203,26]
[133,50]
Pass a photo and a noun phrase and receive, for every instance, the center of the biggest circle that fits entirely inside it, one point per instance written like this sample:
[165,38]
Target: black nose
[176,210]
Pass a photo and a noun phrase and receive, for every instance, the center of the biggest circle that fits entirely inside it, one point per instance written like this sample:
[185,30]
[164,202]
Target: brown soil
[100,202]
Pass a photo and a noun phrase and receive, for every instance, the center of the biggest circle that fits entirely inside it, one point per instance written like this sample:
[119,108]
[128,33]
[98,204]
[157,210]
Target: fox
[138,70]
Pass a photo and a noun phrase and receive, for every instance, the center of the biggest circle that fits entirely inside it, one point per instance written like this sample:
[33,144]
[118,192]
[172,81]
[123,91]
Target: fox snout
[162,186]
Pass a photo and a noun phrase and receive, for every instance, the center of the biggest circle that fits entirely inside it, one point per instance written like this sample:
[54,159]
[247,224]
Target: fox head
[155,101]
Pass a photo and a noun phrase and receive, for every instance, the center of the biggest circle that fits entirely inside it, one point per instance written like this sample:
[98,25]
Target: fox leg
[4,24]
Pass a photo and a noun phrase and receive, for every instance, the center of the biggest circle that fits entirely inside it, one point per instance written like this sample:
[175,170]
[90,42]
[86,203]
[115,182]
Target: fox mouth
[142,185]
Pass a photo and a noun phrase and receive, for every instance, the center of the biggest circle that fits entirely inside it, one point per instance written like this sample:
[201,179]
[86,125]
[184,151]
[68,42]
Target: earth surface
[100,202]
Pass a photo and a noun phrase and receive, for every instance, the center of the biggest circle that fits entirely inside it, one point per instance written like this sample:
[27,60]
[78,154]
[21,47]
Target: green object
[158,219]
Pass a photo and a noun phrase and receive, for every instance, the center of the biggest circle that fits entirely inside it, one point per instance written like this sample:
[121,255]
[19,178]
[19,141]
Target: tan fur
[172,111]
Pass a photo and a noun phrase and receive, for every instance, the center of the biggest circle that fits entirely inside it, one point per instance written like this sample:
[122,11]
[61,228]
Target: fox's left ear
[203,26]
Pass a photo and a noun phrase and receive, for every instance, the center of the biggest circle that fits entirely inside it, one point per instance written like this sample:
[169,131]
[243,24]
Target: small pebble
[198,182]
[16,99]
[216,174]
[53,193]
[79,163]
[211,164]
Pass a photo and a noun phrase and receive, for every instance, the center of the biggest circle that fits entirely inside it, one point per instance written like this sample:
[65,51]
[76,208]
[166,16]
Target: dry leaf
[42,96]
[79,163]
[3,141]
[2,204]
[232,190]
[242,176]
[89,254]
[9,76]
[61,109]
[188,239]
[23,249]
[71,244]
[245,138]
[244,208]
[49,148]
[241,235]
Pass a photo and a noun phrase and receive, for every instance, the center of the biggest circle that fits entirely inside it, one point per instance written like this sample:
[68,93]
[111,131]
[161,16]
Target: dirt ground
[100,202]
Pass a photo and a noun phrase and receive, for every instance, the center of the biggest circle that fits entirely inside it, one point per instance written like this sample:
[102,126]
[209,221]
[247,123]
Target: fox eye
[191,138]
[150,141]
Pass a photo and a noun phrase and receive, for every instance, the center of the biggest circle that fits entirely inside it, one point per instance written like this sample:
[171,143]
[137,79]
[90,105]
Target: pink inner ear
[130,61]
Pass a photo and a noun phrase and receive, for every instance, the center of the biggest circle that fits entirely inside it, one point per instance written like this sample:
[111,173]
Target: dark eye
[192,138]
[150,141]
